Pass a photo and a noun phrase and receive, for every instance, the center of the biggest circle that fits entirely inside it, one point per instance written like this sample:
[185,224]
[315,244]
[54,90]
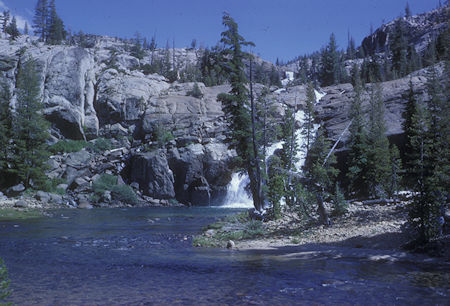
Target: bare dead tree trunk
[258,186]
[324,218]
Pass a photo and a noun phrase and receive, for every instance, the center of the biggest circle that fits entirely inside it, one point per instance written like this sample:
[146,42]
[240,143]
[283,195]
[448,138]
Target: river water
[144,256]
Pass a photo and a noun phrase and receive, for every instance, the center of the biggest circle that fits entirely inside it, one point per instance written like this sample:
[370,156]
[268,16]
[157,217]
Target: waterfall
[236,196]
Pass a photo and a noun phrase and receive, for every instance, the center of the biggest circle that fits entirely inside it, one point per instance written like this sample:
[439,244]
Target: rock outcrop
[420,30]
[151,171]
[333,109]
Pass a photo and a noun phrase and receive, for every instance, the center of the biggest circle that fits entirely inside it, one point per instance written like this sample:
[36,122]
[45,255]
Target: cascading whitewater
[237,196]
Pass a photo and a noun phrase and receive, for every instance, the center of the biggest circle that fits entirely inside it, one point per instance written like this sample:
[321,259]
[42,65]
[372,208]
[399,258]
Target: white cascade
[236,196]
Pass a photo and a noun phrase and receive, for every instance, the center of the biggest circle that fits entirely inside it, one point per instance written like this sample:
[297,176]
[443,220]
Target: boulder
[201,173]
[79,183]
[230,244]
[79,160]
[151,171]
[62,186]
[56,199]
[83,204]
[42,196]
[21,204]
[15,191]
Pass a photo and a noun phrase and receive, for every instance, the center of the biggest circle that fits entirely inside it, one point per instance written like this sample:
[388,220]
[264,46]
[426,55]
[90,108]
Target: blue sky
[280,28]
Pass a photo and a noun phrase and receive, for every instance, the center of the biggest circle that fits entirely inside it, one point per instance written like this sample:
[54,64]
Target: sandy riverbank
[380,230]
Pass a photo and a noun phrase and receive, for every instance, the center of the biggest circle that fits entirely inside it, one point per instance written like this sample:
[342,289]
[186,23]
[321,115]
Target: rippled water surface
[144,255]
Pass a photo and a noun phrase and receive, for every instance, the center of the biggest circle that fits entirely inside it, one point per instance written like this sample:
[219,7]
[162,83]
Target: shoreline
[375,232]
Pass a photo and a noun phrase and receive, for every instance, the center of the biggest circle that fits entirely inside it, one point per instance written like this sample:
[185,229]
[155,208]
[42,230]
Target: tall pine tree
[358,146]
[5,133]
[40,19]
[238,113]
[30,129]
[377,170]
[55,26]
[330,63]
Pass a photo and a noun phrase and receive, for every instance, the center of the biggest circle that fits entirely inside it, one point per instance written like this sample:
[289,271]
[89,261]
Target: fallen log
[379,201]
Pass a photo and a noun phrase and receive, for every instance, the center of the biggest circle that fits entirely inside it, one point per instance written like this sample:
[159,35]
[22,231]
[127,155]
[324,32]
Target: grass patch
[235,227]
[67,146]
[215,226]
[16,214]
[237,218]
[295,240]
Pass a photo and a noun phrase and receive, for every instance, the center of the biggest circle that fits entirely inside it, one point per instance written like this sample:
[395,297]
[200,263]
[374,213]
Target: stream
[145,255]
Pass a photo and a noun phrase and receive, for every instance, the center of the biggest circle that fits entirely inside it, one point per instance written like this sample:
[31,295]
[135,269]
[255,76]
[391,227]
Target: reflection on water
[135,256]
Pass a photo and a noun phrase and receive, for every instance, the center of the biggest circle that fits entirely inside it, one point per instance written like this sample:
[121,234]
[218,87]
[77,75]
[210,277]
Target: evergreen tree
[12,29]
[395,173]
[29,128]
[411,157]
[429,136]
[308,122]
[377,170]
[423,210]
[351,49]
[152,48]
[55,26]
[288,157]
[5,21]
[137,50]
[40,20]
[398,46]
[439,130]
[321,172]
[238,113]
[358,146]
[330,63]
[25,30]
[407,10]
[5,132]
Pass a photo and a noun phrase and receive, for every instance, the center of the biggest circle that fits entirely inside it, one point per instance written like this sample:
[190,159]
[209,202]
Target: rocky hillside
[164,140]
[420,30]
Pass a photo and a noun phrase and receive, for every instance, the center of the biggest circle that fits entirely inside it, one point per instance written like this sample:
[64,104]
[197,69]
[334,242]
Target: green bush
[124,193]
[108,182]
[4,281]
[100,145]
[67,146]
[103,183]
[254,228]
[51,186]
[161,136]
[340,205]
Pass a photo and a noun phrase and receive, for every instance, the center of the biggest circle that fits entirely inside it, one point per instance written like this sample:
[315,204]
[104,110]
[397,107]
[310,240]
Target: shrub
[124,193]
[4,281]
[161,136]
[108,182]
[100,145]
[103,183]
[254,228]
[67,146]
[340,205]
[195,92]
[51,186]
